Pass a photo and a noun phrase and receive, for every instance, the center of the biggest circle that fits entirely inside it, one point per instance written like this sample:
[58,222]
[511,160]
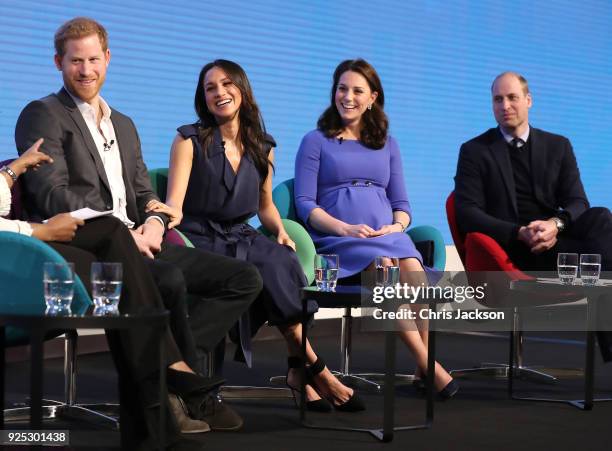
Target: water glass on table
[106,281]
[326,271]
[567,267]
[590,267]
[58,281]
[387,271]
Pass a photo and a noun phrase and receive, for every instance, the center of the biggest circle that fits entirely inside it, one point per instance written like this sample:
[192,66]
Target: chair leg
[70,352]
[96,413]
[533,374]
[243,391]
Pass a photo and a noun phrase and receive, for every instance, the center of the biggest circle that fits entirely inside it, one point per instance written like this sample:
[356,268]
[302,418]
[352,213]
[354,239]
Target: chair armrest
[304,246]
[21,275]
[174,236]
[429,233]
[282,196]
[483,253]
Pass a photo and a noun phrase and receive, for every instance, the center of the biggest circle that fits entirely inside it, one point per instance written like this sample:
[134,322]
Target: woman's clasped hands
[365,231]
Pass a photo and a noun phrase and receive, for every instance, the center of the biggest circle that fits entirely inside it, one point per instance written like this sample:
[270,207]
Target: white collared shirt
[523,138]
[105,138]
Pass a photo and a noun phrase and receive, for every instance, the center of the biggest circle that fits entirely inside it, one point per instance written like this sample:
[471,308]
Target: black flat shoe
[183,383]
[317,405]
[449,391]
[353,404]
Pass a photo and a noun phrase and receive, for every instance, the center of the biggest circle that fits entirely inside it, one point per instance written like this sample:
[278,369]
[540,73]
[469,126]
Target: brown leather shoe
[186,424]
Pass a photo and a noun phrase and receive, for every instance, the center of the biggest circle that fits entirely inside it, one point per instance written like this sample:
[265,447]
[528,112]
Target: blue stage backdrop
[436,60]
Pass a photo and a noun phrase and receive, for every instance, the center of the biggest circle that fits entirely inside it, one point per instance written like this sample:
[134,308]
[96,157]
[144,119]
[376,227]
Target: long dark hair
[374,122]
[252,130]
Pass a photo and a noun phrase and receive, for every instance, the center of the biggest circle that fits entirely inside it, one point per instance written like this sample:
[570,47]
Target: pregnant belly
[359,205]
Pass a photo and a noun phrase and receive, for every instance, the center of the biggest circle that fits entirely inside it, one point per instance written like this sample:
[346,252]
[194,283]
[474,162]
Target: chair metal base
[578,403]
[534,374]
[249,392]
[373,381]
[101,414]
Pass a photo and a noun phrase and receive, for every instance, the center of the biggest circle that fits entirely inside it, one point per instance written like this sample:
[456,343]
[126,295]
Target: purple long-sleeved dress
[356,185]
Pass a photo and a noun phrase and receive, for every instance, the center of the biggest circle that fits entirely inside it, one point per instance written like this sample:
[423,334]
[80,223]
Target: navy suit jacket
[77,178]
[485,196]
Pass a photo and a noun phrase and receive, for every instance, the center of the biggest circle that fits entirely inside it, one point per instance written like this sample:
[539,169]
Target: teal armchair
[422,236]
[21,275]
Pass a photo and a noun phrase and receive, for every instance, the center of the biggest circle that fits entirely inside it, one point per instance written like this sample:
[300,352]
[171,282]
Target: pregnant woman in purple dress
[220,176]
[350,192]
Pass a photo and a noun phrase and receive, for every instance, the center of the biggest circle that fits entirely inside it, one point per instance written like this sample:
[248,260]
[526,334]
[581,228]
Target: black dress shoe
[317,405]
[353,404]
[182,383]
[449,391]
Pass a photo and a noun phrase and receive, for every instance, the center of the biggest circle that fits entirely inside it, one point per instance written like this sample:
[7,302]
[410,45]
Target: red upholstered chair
[483,257]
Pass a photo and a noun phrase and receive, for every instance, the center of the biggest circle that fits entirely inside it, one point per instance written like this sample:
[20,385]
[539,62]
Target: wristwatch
[559,223]
[10,172]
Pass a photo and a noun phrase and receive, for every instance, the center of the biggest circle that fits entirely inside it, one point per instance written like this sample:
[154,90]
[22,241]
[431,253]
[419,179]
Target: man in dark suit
[521,186]
[98,164]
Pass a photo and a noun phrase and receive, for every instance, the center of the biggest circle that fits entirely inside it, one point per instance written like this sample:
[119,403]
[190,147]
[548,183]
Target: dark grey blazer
[77,178]
[485,196]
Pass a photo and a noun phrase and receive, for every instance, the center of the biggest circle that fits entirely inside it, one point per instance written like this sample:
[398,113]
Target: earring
[370,106]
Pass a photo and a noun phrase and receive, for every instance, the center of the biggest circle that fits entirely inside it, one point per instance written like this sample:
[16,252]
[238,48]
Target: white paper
[87,213]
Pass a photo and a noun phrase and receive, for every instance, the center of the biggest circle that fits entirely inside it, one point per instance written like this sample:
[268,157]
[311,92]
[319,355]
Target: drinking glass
[590,267]
[567,267]
[58,281]
[387,271]
[326,271]
[106,280]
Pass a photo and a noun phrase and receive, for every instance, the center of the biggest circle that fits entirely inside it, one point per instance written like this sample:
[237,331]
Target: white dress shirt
[108,149]
[522,139]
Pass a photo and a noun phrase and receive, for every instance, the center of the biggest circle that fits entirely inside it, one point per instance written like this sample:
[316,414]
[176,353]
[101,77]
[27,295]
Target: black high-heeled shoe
[353,404]
[317,405]
[449,391]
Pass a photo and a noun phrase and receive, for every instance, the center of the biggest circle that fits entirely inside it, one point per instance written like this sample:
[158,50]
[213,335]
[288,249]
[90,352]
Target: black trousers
[107,239]
[224,288]
[590,233]
[218,289]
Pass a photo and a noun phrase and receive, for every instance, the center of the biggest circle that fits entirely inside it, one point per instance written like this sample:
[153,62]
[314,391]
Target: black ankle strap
[317,367]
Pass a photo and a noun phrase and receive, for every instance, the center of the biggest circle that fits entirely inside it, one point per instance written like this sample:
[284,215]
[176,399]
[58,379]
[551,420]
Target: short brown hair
[78,28]
[522,80]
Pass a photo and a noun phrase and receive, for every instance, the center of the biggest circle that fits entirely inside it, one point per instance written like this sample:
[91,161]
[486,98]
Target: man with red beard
[98,164]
